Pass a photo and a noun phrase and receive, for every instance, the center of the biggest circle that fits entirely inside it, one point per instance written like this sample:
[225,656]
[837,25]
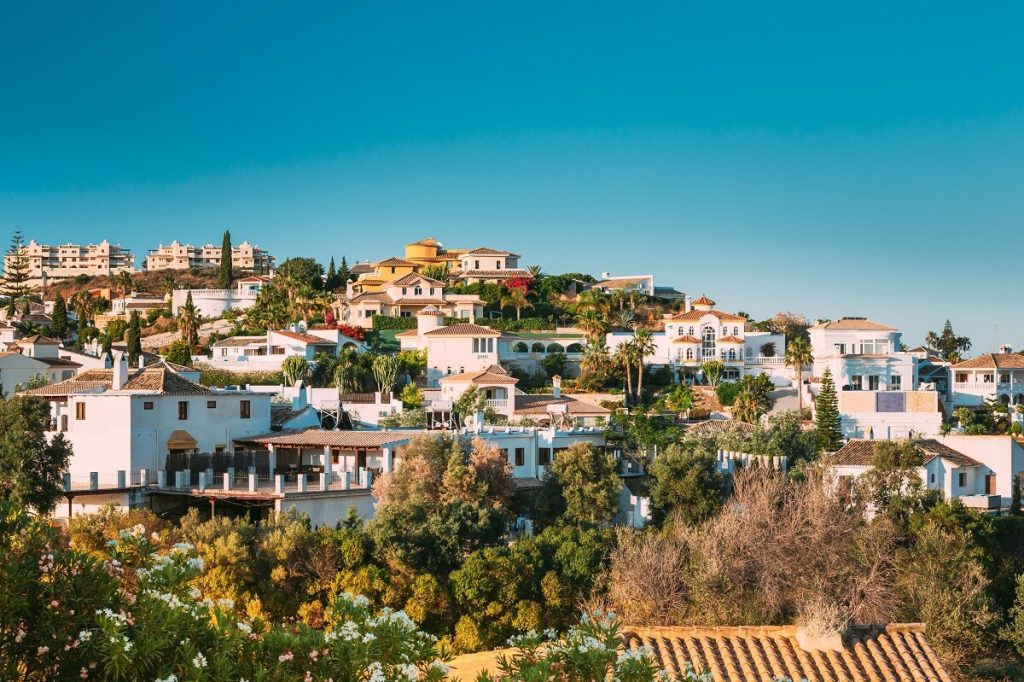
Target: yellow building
[429,251]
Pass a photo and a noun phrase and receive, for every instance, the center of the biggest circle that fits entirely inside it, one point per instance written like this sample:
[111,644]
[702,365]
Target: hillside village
[490,448]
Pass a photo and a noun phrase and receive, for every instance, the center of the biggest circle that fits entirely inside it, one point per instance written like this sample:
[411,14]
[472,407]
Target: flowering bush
[352,331]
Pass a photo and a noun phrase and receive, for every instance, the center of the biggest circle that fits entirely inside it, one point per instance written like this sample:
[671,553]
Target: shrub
[727,392]
[213,376]
[384,322]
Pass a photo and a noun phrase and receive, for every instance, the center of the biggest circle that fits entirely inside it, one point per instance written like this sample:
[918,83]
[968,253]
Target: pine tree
[827,408]
[59,325]
[331,283]
[16,272]
[107,342]
[344,274]
[224,277]
[1015,509]
[134,338]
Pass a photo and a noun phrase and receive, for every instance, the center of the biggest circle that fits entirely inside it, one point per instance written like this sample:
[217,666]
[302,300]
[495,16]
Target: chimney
[142,361]
[428,319]
[120,372]
[299,401]
[556,386]
[687,303]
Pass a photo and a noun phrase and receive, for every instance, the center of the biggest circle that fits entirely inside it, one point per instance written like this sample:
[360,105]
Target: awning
[181,440]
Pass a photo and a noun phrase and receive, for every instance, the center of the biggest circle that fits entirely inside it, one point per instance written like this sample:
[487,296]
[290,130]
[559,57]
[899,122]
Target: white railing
[987,386]
[762,360]
[497,403]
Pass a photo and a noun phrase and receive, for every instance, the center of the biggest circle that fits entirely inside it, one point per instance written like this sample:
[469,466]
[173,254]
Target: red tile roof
[698,314]
[854,324]
[703,300]
[305,338]
[463,329]
[345,440]
[993,361]
[861,452]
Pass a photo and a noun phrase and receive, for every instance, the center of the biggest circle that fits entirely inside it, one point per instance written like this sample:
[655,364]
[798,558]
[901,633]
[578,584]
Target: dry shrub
[780,551]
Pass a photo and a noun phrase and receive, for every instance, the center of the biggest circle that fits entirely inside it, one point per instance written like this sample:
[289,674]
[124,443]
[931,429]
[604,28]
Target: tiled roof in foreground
[892,653]
[314,437]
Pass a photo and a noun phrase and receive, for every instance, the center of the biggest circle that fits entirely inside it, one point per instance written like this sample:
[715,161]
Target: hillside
[145,281]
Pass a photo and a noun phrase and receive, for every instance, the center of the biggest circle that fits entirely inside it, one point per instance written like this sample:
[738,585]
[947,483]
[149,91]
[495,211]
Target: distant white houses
[177,256]
[266,353]
[47,263]
[33,358]
[213,303]
[991,376]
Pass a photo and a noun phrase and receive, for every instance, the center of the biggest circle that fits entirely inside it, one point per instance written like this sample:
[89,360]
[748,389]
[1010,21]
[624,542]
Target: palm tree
[84,306]
[593,300]
[799,354]
[624,318]
[591,323]
[515,298]
[644,345]
[625,355]
[745,407]
[168,284]
[123,282]
[188,322]
[535,271]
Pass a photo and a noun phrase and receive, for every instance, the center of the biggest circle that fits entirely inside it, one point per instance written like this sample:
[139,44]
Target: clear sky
[827,158]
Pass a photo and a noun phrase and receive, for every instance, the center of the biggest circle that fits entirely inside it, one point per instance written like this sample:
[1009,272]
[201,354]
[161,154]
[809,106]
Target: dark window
[182,409]
[544,456]
[79,410]
[211,404]
[961,479]
[245,409]
[520,456]
[147,405]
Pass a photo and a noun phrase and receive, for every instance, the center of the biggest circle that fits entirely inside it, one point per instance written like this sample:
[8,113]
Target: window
[211,404]
[148,405]
[895,382]
[840,349]
[735,331]
[856,383]
[961,479]
[544,456]
[404,291]
[245,409]
[182,410]
[707,344]
[431,291]
[1004,378]
[931,478]
[689,354]
[520,457]
[873,382]
[691,331]
[418,291]
[79,411]
[476,265]
[874,346]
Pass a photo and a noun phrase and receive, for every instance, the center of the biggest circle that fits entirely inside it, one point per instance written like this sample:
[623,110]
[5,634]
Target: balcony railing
[987,386]
[762,360]
[497,403]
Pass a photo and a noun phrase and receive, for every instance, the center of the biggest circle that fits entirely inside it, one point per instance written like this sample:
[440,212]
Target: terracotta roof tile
[993,361]
[703,300]
[482,376]
[395,262]
[485,251]
[39,340]
[697,314]
[421,301]
[686,339]
[372,296]
[305,338]
[539,403]
[619,282]
[463,329]
[233,341]
[855,324]
[158,379]
[861,452]
[730,339]
[315,437]
[414,277]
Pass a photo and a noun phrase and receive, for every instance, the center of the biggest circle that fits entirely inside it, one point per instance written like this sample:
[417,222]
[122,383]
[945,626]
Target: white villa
[976,470]
[124,420]
[266,353]
[33,357]
[992,376]
[880,388]
[488,265]
[452,349]
[701,333]
[213,303]
[405,297]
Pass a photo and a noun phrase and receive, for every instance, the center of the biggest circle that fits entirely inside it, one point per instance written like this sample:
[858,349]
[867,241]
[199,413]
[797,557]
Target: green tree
[585,478]
[554,364]
[798,356]
[31,466]
[644,346]
[1015,508]
[686,481]
[746,407]
[302,272]
[625,355]
[60,327]
[179,353]
[712,370]
[516,298]
[133,337]
[188,322]
[344,274]
[950,346]
[412,397]
[224,275]
[826,407]
[123,281]
[16,272]
[295,368]
[893,485]
[385,373]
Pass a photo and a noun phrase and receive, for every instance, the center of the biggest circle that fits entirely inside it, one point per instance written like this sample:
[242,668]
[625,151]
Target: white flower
[376,673]
[439,665]
[410,671]
[196,563]
[199,661]
[170,678]
[85,635]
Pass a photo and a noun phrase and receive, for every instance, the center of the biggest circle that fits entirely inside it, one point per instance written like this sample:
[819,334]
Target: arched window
[520,348]
[735,331]
[449,371]
[556,348]
[691,331]
[574,348]
[707,342]
[732,353]
[689,354]
[538,347]
[418,291]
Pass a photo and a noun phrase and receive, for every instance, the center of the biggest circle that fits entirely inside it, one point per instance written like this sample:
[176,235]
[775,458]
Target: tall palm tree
[515,298]
[644,345]
[123,282]
[535,271]
[591,323]
[84,306]
[745,407]
[595,356]
[798,355]
[625,355]
[188,322]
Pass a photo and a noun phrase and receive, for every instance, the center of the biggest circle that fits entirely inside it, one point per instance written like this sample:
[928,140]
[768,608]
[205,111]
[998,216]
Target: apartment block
[177,256]
[46,262]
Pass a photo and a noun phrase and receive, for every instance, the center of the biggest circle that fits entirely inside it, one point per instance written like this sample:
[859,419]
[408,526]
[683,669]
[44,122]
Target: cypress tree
[827,407]
[107,341]
[331,283]
[134,339]
[1015,509]
[224,277]
[16,272]
[59,326]
[344,274]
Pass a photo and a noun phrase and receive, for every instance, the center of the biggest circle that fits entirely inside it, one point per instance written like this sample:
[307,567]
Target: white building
[976,470]
[488,265]
[266,353]
[454,349]
[641,284]
[126,420]
[992,376]
[405,297]
[46,262]
[177,256]
[34,358]
[701,333]
[879,387]
[213,303]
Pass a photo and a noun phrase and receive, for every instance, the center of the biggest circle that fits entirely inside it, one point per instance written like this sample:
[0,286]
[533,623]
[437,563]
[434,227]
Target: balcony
[496,403]
[763,360]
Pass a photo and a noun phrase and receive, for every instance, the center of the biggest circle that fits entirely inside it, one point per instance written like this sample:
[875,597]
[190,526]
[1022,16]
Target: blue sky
[862,159]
